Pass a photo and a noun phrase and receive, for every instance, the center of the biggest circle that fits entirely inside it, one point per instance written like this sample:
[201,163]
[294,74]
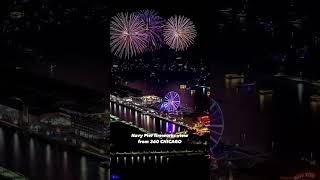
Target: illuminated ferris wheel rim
[216,124]
[171,102]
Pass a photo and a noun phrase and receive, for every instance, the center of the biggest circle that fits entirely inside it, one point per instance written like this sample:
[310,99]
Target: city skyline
[230,86]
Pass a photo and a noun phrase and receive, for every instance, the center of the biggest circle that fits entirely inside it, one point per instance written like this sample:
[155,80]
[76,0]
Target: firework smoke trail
[179,33]
[128,37]
[153,25]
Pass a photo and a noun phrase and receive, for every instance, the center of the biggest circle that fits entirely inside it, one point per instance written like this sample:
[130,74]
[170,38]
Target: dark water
[296,119]
[176,168]
[287,118]
[39,160]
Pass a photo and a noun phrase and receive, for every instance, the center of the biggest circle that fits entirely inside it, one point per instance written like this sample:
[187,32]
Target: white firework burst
[128,36]
[179,33]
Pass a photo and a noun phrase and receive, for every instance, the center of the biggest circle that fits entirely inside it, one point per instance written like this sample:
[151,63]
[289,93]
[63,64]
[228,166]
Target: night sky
[234,47]
[91,40]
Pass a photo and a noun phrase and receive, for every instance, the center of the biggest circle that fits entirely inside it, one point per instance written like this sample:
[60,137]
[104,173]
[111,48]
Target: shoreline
[63,144]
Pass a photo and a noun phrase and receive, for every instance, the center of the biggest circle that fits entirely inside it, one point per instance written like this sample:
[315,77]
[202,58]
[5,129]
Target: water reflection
[261,101]
[167,127]
[108,174]
[83,168]
[136,160]
[115,108]
[48,161]
[192,92]
[265,100]
[32,151]
[2,142]
[132,160]
[173,128]
[16,150]
[48,154]
[142,121]
[315,106]
[136,117]
[232,82]
[148,122]
[102,173]
[65,161]
[39,160]
[125,161]
[300,89]
[145,121]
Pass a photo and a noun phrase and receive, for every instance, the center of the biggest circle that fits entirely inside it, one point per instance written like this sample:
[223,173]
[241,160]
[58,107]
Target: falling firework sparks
[153,25]
[128,37]
[179,33]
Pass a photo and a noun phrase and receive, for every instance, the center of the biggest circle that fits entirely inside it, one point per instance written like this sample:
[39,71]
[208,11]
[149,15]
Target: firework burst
[153,25]
[179,33]
[128,37]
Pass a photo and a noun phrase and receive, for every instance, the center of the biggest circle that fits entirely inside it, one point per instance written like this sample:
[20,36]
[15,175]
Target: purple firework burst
[153,25]
[128,37]
[179,33]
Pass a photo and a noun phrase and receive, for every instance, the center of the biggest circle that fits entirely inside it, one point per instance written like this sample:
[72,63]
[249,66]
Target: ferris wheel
[170,102]
[216,124]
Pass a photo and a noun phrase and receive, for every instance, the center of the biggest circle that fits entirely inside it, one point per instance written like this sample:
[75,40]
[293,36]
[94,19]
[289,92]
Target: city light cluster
[146,31]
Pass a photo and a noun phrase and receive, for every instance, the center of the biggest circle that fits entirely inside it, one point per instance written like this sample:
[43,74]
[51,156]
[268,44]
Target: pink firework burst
[179,33]
[153,25]
[128,37]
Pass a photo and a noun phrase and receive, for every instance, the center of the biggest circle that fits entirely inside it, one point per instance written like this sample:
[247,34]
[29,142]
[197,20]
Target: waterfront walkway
[10,175]
[163,153]
[90,152]
[144,111]
[117,119]
[299,79]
